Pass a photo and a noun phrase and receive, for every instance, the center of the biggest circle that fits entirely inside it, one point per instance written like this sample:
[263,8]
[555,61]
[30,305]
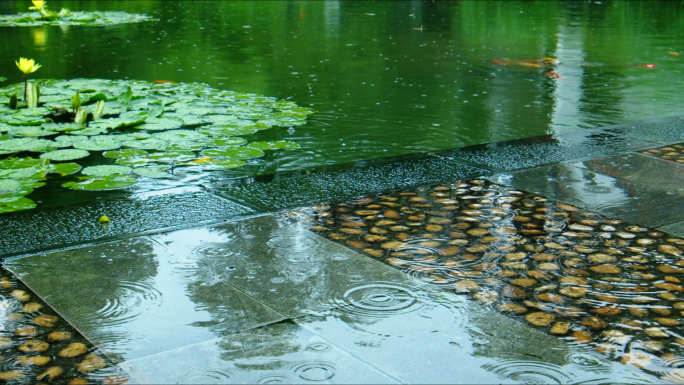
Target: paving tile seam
[91,242]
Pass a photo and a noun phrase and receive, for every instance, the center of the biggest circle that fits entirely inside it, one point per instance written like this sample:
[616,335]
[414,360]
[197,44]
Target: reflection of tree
[273,341]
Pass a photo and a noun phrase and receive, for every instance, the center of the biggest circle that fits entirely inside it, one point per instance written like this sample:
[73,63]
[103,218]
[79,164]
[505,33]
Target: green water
[387,77]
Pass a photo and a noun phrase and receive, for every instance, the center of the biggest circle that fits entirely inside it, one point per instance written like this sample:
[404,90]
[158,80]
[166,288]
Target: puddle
[587,279]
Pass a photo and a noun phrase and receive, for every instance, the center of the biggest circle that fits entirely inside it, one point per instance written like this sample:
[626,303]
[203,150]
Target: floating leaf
[179,135]
[9,185]
[26,172]
[152,172]
[13,163]
[106,170]
[146,144]
[103,183]
[99,143]
[9,204]
[159,124]
[65,168]
[237,152]
[124,153]
[62,127]
[215,165]
[69,154]
[277,145]
[33,131]
[228,141]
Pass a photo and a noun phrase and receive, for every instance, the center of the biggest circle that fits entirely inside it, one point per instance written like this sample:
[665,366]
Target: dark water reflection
[388,78]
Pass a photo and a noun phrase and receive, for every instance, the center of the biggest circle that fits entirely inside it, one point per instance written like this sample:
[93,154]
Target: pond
[381,79]
[388,78]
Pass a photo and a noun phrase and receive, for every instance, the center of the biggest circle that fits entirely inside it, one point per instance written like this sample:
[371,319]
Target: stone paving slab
[131,298]
[281,264]
[138,296]
[589,184]
[279,353]
[548,149]
[665,130]
[294,189]
[52,227]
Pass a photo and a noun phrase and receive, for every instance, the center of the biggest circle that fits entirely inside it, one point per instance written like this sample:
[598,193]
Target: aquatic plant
[67,17]
[128,130]
[27,66]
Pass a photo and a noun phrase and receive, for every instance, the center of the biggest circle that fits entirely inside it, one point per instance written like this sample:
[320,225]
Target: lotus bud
[81,116]
[76,102]
[104,219]
[13,100]
[32,96]
[99,109]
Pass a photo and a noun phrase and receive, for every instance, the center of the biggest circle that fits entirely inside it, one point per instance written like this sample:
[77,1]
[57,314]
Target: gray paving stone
[133,298]
[336,183]
[279,353]
[282,264]
[664,130]
[588,185]
[549,149]
[51,227]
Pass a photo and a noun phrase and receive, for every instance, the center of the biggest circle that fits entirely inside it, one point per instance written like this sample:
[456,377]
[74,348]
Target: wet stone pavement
[548,260]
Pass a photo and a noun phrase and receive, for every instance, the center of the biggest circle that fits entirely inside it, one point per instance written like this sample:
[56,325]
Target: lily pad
[146,144]
[62,127]
[99,143]
[30,131]
[15,203]
[100,184]
[9,185]
[161,124]
[124,153]
[152,172]
[106,170]
[68,154]
[13,163]
[216,165]
[236,152]
[277,145]
[65,168]
[31,19]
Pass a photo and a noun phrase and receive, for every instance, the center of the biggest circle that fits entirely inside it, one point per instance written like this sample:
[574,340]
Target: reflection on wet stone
[578,275]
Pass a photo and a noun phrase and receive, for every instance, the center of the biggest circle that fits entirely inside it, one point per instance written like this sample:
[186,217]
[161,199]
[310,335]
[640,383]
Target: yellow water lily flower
[38,4]
[27,66]
[103,219]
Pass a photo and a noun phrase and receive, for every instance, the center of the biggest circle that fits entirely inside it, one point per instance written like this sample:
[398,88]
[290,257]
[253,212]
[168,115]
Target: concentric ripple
[314,371]
[528,372]
[132,300]
[379,300]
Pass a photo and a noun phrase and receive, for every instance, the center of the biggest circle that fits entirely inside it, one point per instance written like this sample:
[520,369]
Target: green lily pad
[100,184]
[99,143]
[13,163]
[161,124]
[68,154]
[9,185]
[65,169]
[32,19]
[187,145]
[179,135]
[236,152]
[277,145]
[106,170]
[218,131]
[152,172]
[27,144]
[30,131]
[146,144]
[124,153]
[62,127]
[15,203]
[222,142]
[16,173]
[216,165]
[172,156]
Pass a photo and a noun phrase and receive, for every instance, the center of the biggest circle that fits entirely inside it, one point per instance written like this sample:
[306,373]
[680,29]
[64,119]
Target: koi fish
[163,82]
[553,75]
[675,54]
[646,66]
[534,63]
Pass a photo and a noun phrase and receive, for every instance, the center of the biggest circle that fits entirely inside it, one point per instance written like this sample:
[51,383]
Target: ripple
[529,372]
[210,377]
[274,379]
[314,371]
[133,300]
[379,300]
[587,361]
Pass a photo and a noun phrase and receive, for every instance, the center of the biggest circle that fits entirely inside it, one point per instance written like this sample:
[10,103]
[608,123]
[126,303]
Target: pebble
[540,318]
[560,328]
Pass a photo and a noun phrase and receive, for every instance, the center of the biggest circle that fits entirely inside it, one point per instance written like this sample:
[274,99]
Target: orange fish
[534,63]
[553,75]
[163,82]
[675,54]
[646,66]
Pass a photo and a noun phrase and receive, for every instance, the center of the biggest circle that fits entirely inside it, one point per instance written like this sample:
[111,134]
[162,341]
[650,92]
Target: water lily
[39,5]
[27,66]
